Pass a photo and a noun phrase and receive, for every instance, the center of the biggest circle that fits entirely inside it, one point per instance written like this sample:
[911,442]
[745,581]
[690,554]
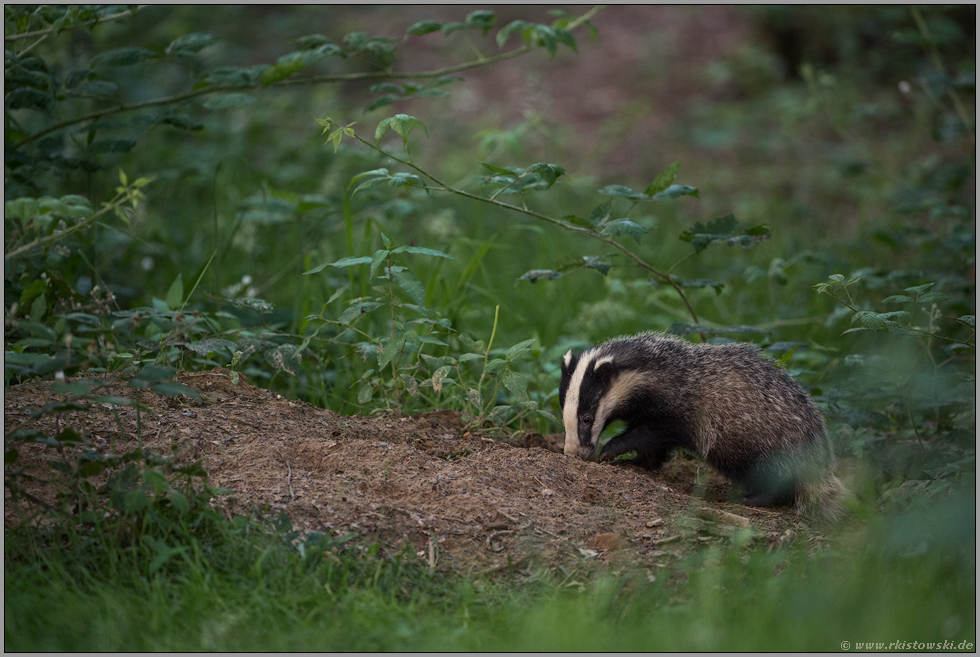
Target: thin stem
[660,276]
[85,223]
[91,23]
[317,79]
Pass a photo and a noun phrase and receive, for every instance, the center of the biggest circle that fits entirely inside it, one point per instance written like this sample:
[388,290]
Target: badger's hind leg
[652,447]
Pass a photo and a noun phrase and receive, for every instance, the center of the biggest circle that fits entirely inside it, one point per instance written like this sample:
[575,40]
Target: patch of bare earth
[459,500]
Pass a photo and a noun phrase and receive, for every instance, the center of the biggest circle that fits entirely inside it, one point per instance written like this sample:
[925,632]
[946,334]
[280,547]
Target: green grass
[905,577]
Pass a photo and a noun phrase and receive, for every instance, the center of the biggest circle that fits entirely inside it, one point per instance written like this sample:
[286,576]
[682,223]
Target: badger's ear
[567,362]
[604,368]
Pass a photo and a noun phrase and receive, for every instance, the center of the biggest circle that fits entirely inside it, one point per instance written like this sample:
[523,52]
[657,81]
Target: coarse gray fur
[747,418]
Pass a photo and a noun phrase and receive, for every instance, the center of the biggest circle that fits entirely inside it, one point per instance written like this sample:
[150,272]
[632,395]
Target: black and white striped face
[586,402]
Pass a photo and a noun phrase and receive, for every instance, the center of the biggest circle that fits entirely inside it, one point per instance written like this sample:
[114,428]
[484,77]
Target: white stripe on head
[568,357]
[569,414]
[624,384]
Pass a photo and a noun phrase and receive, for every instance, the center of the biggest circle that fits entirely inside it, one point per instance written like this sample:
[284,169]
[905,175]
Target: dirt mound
[459,499]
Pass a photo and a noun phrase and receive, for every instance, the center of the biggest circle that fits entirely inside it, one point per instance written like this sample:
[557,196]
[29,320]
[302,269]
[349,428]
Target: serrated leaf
[473,397]
[969,320]
[421,250]
[535,275]
[356,309]
[516,383]
[209,345]
[364,393]
[664,180]
[224,101]
[190,43]
[601,213]
[622,191]
[236,75]
[403,124]
[392,349]
[576,220]
[520,349]
[122,57]
[675,191]
[624,227]
[898,298]
[932,297]
[482,20]
[424,27]
[439,377]
[410,285]
[548,172]
[339,264]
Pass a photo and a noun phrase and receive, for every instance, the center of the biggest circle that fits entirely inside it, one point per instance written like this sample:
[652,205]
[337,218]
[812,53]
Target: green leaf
[339,264]
[504,34]
[179,501]
[356,309]
[919,289]
[701,235]
[576,220]
[403,124]
[410,285]
[516,383]
[224,101]
[601,213]
[424,27]
[624,227]
[39,308]
[175,295]
[190,43]
[623,192]
[236,75]
[519,350]
[421,250]
[25,97]
[282,70]
[664,180]
[675,191]
[548,172]
[932,297]
[482,20]
[898,298]
[122,57]
[535,275]
[364,393]
[391,351]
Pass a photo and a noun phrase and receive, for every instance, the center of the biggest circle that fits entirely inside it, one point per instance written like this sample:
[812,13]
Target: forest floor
[458,499]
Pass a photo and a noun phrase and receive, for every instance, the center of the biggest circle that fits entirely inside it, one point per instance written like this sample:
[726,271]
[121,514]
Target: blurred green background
[848,131]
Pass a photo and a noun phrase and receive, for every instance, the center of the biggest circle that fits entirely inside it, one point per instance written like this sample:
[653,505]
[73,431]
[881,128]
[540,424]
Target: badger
[747,418]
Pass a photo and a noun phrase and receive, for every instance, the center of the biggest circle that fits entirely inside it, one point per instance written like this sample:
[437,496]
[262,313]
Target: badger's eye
[587,419]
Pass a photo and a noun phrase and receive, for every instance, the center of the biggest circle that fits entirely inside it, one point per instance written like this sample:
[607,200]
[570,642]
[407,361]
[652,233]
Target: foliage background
[849,133]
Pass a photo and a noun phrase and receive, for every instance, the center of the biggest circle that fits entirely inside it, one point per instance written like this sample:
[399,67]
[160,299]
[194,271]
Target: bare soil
[458,499]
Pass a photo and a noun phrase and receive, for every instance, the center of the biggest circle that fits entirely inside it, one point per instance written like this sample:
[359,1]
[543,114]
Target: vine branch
[661,277]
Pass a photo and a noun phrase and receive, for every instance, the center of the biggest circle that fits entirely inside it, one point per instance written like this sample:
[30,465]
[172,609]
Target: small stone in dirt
[655,523]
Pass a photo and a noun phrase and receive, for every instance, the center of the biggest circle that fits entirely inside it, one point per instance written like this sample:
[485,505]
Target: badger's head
[584,394]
